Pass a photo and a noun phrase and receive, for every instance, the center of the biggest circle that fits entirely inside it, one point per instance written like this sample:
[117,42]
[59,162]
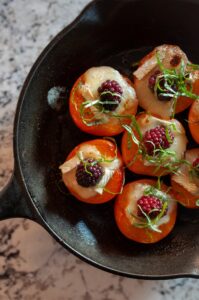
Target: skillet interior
[115,33]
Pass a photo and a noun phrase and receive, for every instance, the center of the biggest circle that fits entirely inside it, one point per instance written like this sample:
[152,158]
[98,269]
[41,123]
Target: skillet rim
[18,172]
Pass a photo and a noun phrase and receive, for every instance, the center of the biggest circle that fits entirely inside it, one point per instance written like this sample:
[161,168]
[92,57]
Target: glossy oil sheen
[115,33]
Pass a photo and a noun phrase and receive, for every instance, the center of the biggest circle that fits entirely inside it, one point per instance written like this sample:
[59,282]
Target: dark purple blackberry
[195,166]
[110,90]
[152,82]
[148,204]
[156,138]
[196,163]
[89,172]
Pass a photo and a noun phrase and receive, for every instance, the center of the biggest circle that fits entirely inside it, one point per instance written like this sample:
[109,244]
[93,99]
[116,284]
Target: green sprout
[175,83]
[146,222]
[161,158]
[102,159]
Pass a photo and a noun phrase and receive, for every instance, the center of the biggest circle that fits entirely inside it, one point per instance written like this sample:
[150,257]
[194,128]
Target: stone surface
[32,264]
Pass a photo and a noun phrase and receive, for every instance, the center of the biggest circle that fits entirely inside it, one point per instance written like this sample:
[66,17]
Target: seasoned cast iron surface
[46,137]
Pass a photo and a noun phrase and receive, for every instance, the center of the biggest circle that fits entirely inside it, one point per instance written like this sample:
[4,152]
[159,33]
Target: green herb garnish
[175,83]
[194,170]
[98,116]
[146,222]
[102,159]
[161,158]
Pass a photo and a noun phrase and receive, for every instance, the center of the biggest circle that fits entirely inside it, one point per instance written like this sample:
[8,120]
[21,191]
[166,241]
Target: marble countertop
[32,264]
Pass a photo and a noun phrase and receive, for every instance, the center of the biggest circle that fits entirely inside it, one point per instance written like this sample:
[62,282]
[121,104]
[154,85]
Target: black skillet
[108,32]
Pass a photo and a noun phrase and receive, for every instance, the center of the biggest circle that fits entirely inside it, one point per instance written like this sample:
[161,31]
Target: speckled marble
[32,264]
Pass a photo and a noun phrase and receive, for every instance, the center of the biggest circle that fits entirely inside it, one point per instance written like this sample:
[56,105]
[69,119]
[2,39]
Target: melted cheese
[148,65]
[183,177]
[165,54]
[180,140]
[93,79]
[68,170]
[135,193]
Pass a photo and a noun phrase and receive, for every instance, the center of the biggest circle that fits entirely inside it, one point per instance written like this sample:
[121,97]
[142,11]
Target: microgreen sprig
[146,222]
[193,66]
[165,158]
[87,116]
[93,112]
[79,85]
[100,160]
[194,170]
[99,106]
[154,191]
[86,163]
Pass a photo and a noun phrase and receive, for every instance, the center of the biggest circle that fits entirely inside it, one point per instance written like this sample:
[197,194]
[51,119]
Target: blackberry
[195,166]
[148,204]
[152,82]
[89,173]
[196,163]
[156,138]
[110,90]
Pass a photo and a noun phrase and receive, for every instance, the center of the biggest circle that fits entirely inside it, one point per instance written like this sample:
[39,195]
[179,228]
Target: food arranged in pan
[145,111]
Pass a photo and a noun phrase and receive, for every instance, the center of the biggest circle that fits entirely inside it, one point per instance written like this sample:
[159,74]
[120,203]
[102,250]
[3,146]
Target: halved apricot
[135,161]
[91,119]
[193,121]
[171,57]
[127,222]
[95,149]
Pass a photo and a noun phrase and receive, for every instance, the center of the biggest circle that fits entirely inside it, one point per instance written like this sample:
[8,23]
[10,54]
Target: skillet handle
[12,202]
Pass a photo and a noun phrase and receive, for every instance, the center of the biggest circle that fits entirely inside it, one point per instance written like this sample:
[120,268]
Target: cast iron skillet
[115,33]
